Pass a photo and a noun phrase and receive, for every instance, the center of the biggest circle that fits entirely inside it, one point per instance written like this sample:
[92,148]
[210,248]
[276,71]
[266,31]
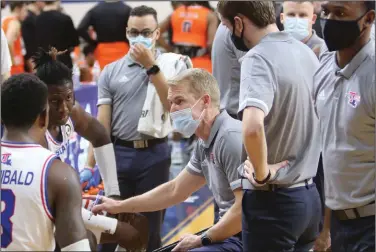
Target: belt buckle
[140,144]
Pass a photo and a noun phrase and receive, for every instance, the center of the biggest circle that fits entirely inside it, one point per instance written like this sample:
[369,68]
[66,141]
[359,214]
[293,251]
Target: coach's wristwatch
[153,70]
[263,181]
[206,240]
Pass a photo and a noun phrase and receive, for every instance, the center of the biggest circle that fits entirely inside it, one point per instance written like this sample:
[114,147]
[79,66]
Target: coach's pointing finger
[105,205]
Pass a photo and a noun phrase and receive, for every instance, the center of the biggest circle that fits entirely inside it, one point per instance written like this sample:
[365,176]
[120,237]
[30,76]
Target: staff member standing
[193,28]
[281,205]
[34,8]
[226,69]
[194,97]
[109,20]
[345,103]
[12,29]
[56,29]
[143,162]
[6,61]
[298,19]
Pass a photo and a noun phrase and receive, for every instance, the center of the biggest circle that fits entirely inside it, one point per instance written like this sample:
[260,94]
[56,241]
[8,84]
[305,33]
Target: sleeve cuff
[193,170]
[236,184]
[253,102]
[104,101]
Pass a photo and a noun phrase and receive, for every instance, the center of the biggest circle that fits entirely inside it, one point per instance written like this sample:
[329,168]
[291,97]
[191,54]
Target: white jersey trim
[43,186]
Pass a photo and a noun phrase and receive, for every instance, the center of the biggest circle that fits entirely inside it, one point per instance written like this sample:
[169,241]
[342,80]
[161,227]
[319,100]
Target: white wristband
[105,158]
[103,223]
[82,245]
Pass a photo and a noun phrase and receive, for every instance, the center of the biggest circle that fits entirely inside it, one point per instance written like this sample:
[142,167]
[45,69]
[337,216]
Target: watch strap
[206,240]
[264,180]
[153,70]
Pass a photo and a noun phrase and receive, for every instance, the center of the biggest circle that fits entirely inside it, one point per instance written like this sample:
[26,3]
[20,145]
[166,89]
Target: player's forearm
[160,84]
[327,219]
[157,199]
[105,120]
[99,134]
[255,145]
[229,225]
[90,157]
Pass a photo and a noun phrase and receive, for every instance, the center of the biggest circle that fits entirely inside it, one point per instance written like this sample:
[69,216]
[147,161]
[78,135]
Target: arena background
[197,212]
[77,9]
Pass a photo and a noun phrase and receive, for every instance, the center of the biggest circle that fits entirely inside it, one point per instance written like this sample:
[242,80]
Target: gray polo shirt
[345,104]
[314,41]
[277,77]
[226,69]
[123,85]
[218,158]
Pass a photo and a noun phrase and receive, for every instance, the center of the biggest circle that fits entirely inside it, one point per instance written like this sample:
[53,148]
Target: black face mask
[340,34]
[238,41]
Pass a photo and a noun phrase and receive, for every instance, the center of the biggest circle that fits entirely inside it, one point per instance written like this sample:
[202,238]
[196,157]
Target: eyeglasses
[147,33]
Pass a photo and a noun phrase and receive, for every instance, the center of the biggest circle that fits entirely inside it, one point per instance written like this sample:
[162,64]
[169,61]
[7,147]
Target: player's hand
[105,205]
[249,170]
[323,242]
[187,242]
[86,174]
[93,182]
[142,55]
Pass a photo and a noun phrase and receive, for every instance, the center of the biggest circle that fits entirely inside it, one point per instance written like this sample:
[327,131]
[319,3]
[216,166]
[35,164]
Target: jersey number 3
[8,200]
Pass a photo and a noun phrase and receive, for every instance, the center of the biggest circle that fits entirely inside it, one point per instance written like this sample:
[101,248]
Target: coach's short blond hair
[200,83]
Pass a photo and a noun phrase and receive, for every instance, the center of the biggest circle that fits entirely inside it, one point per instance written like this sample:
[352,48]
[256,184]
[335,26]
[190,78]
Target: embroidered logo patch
[353,99]
[212,158]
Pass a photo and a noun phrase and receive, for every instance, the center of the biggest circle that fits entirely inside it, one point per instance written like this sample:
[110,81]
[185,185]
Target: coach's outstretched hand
[105,205]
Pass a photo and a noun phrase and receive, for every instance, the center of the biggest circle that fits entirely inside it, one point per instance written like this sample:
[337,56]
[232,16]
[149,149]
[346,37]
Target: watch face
[206,241]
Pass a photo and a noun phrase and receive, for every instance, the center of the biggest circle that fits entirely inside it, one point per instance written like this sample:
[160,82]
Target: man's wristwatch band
[206,240]
[153,70]
[262,181]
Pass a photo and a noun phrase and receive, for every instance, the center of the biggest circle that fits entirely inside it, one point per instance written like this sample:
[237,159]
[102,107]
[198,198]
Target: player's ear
[43,118]
[314,18]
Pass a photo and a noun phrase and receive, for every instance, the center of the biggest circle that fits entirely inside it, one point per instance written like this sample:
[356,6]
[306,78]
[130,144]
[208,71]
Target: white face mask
[297,27]
[183,121]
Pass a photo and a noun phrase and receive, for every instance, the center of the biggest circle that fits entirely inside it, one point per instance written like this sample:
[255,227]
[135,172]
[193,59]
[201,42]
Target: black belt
[138,144]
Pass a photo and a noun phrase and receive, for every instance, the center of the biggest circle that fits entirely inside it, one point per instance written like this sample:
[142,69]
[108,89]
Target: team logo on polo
[353,99]
[68,129]
[212,157]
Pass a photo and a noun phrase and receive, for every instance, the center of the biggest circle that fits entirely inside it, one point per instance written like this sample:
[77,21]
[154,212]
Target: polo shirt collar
[312,38]
[218,121]
[276,36]
[357,61]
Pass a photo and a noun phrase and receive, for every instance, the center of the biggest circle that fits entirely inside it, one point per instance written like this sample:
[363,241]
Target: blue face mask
[297,27]
[184,123]
[147,42]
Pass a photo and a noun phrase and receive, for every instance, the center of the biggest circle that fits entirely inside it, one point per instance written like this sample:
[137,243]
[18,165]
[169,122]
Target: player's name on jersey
[16,177]
[60,151]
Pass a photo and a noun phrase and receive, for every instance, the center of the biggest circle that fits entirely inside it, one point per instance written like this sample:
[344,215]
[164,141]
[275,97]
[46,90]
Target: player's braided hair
[49,69]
